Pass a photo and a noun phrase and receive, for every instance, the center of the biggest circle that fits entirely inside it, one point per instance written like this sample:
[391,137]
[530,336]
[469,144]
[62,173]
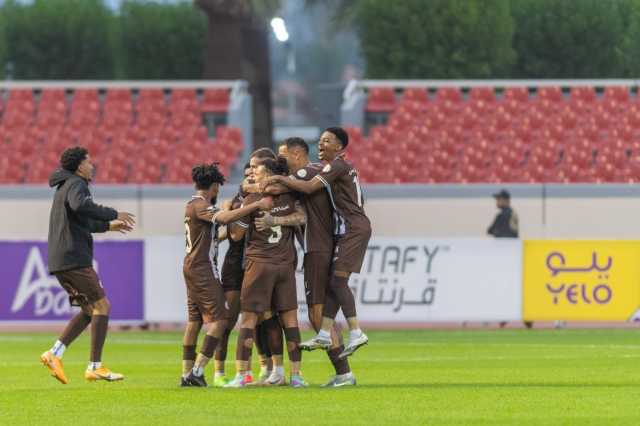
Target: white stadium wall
[545,211]
[469,278]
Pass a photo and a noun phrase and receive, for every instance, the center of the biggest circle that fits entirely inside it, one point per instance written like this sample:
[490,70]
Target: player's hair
[262,153]
[72,157]
[277,166]
[205,175]
[296,142]
[246,166]
[339,133]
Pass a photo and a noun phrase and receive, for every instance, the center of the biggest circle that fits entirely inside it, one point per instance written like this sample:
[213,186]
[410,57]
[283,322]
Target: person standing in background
[506,224]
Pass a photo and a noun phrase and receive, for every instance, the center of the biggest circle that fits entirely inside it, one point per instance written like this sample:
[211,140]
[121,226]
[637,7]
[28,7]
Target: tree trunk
[237,47]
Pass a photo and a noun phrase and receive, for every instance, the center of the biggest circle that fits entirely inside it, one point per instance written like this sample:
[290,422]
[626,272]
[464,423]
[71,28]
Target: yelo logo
[581,280]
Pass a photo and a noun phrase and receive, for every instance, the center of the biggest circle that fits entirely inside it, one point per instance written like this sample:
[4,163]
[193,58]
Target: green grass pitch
[521,377]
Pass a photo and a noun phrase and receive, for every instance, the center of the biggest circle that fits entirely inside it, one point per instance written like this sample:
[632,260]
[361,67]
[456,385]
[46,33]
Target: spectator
[505,224]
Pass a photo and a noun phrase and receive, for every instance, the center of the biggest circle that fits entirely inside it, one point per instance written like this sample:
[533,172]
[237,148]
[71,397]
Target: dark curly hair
[72,157]
[204,175]
[340,134]
[277,166]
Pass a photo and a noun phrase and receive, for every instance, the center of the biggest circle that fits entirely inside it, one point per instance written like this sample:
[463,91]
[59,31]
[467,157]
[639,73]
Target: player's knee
[217,328]
[102,307]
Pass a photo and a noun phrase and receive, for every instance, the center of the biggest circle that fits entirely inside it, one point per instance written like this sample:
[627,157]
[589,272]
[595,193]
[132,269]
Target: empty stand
[135,136]
[484,134]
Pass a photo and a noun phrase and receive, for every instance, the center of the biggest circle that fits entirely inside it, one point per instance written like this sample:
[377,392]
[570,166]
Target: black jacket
[74,216]
[505,225]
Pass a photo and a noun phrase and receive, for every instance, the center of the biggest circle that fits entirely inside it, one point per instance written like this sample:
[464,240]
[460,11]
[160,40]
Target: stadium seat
[215,100]
[381,99]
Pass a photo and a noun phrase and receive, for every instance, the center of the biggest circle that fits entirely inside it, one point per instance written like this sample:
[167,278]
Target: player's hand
[119,226]
[265,203]
[127,218]
[272,179]
[264,222]
[226,205]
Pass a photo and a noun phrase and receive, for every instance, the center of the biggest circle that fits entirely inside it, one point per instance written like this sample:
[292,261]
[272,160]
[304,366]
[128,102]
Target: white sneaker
[353,345]
[317,342]
[276,379]
[340,380]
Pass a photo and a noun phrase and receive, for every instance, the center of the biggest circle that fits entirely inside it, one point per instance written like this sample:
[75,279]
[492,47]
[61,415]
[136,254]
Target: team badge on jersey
[302,173]
[327,168]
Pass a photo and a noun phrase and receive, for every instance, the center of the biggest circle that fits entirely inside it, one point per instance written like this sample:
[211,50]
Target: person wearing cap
[505,225]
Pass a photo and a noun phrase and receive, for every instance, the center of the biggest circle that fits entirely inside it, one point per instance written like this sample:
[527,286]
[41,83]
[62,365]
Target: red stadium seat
[486,94]
[382,99]
[550,93]
[518,94]
[415,94]
[452,94]
[215,100]
[583,93]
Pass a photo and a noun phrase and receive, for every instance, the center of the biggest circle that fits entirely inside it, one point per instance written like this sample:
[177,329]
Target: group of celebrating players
[283,198]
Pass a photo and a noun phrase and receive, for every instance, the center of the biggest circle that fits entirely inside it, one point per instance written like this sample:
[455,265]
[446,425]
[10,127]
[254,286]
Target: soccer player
[74,217]
[206,302]
[268,330]
[318,251]
[269,280]
[232,274]
[352,230]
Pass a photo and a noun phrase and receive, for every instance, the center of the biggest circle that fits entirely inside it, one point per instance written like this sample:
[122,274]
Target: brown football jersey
[235,252]
[276,244]
[341,181]
[201,234]
[318,231]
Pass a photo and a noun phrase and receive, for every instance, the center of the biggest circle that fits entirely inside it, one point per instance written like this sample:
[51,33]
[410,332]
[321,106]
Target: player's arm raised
[306,187]
[226,217]
[296,218]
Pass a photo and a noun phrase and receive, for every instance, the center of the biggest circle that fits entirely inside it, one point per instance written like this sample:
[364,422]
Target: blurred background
[447,102]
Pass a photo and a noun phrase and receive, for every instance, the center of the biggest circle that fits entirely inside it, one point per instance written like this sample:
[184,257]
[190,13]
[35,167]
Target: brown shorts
[82,285]
[205,297]
[317,272]
[350,250]
[232,276]
[267,287]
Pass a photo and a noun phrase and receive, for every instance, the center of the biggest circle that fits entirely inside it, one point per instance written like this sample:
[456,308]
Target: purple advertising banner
[29,293]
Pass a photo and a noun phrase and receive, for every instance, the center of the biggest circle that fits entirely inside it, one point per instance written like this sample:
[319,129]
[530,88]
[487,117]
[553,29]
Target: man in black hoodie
[74,216]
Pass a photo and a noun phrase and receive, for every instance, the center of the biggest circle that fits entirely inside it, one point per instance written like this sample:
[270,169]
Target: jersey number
[276,234]
[358,190]
[187,235]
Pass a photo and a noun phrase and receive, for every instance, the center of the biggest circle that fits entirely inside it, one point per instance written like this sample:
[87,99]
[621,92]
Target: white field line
[178,341]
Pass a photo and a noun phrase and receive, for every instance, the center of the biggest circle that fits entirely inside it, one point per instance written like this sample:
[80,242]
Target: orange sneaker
[102,373]
[54,364]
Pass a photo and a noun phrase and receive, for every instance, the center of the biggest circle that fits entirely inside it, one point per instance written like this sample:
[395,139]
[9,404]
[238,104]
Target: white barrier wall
[402,280]
[545,211]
